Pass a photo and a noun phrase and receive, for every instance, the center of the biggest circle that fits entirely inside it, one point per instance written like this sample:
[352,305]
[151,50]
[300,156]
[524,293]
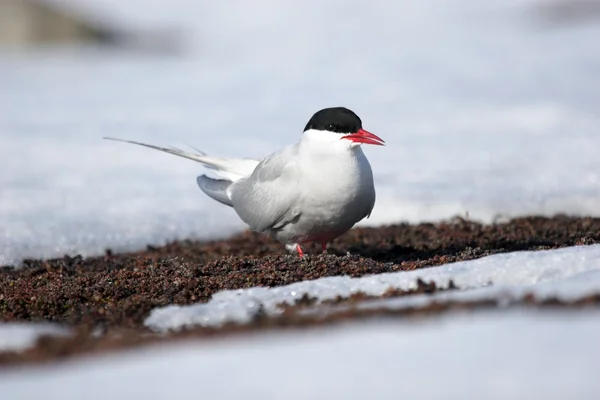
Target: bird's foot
[324,247]
[294,247]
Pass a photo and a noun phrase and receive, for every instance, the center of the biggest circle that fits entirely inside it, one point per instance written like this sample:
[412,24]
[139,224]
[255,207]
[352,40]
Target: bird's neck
[339,149]
[334,170]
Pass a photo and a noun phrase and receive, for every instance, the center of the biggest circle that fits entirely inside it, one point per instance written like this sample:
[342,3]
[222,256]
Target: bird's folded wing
[269,198]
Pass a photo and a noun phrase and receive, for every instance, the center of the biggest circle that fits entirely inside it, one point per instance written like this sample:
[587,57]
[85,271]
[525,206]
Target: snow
[567,274]
[516,355]
[484,112]
[18,336]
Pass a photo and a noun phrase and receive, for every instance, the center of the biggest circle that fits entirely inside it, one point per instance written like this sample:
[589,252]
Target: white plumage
[314,190]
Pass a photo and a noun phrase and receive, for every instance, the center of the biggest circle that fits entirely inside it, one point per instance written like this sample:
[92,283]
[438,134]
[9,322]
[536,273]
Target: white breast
[337,191]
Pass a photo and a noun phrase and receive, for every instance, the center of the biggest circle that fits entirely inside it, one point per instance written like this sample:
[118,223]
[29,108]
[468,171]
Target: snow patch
[483,113]
[503,355]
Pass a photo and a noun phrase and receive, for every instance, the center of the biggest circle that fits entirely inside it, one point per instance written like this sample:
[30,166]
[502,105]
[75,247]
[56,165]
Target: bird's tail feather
[215,188]
[230,169]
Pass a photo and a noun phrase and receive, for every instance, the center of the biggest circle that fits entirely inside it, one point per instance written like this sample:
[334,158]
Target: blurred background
[490,109]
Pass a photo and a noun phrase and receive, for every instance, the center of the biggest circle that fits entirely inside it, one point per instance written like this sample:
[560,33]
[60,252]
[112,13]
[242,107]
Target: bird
[314,190]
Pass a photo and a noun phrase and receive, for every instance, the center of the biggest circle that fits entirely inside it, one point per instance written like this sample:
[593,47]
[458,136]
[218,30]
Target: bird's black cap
[335,119]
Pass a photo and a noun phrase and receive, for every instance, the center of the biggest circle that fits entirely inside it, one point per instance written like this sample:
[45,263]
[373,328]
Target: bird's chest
[336,188]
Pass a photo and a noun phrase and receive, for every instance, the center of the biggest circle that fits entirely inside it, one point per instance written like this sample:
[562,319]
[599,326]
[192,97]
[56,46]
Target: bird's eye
[330,127]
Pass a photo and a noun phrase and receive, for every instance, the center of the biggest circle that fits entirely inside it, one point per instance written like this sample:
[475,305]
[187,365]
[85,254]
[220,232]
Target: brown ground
[114,293]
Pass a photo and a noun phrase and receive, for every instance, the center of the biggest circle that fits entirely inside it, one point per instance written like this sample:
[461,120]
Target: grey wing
[268,199]
[370,206]
[370,190]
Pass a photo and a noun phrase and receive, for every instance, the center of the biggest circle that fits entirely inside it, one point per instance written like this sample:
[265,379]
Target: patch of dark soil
[117,291]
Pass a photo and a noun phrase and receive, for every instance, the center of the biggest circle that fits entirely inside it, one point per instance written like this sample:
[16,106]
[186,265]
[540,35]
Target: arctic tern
[312,191]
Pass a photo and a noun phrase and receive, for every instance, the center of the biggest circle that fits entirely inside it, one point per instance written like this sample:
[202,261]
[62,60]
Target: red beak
[365,137]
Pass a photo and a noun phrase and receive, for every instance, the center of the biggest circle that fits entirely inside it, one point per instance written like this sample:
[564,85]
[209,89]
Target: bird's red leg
[299,250]
[324,247]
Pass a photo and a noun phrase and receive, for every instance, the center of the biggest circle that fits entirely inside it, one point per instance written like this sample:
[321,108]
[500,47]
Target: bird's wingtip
[121,140]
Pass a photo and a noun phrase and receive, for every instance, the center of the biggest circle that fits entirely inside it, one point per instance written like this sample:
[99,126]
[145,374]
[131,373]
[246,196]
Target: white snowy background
[484,110]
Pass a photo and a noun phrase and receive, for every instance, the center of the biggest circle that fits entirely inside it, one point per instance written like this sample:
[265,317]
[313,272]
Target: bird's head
[339,125]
